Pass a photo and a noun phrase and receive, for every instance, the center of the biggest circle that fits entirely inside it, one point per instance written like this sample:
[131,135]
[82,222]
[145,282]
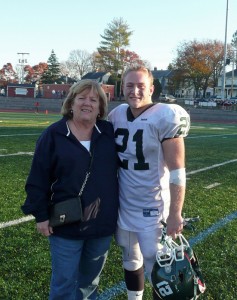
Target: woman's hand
[44,228]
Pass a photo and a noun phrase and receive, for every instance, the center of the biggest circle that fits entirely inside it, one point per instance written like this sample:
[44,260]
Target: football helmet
[176,274]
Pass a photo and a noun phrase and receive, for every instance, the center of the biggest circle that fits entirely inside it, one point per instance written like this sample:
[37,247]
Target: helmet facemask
[176,273]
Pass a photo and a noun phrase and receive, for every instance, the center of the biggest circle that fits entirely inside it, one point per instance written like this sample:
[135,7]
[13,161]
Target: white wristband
[178,177]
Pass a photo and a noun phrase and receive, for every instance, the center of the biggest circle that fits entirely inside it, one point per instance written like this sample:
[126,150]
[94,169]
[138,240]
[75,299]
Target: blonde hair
[139,69]
[78,88]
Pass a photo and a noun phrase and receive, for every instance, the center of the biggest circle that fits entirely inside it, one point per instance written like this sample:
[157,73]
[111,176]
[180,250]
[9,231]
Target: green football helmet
[176,274]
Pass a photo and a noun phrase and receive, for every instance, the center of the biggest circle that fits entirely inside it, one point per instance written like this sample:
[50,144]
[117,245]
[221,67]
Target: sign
[21,91]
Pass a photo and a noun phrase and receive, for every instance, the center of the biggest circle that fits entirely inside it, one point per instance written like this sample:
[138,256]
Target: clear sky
[159,26]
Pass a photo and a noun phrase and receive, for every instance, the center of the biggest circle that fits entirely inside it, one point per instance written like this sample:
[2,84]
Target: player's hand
[44,228]
[174,225]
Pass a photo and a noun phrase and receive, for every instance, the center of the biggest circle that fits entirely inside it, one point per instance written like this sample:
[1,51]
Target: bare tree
[79,63]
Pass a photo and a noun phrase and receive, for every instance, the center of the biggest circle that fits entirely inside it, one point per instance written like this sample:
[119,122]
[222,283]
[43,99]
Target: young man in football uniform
[152,177]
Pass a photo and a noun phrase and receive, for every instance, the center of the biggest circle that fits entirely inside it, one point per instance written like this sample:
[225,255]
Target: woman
[61,160]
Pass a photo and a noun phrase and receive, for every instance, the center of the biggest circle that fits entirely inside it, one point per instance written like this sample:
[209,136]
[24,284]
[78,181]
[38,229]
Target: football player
[150,145]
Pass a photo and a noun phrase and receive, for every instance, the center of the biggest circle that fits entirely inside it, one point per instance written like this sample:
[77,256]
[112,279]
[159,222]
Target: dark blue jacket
[58,170]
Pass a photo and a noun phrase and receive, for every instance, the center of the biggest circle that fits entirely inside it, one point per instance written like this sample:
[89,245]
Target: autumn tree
[52,74]
[7,74]
[34,74]
[199,64]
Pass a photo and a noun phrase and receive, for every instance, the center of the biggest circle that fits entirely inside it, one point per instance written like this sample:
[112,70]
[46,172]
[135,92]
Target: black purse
[70,210]
[66,212]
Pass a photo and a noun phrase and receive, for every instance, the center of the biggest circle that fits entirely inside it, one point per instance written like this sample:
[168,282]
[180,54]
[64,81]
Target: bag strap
[87,174]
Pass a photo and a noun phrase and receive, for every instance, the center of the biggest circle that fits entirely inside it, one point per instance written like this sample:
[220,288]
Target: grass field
[211,161]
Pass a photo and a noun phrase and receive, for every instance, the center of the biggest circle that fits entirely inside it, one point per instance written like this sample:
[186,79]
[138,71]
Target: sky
[158,26]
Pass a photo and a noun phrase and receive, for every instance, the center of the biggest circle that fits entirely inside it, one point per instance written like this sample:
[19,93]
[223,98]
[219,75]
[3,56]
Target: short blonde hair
[139,69]
[78,88]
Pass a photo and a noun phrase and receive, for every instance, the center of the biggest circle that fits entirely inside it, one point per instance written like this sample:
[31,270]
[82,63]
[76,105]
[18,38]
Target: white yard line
[28,218]
[18,153]
[120,287]
[16,222]
[211,186]
[20,134]
[212,167]
[208,136]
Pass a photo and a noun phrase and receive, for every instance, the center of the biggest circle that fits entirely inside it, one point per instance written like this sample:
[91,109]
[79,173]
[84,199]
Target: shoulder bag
[70,210]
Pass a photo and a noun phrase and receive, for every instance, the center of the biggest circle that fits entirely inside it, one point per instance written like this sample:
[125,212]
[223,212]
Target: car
[167,98]
[170,98]
[233,100]
[227,103]
[197,100]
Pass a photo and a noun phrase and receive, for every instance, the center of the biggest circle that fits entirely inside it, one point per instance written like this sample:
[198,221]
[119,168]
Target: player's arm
[174,155]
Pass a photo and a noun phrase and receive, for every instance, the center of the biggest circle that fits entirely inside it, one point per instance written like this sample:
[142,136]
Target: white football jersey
[143,175]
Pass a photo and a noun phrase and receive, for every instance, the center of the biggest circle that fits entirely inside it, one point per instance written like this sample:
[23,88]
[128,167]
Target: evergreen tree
[52,74]
[115,38]
[157,89]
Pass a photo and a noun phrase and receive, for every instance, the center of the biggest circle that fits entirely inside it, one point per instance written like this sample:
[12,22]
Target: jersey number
[164,288]
[183,127]
[138,140]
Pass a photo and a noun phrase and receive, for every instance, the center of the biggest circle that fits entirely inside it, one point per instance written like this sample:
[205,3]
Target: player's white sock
[135,295]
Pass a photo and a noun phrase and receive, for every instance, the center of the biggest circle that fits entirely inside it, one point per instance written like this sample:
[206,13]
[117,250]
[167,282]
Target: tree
[115,38]
[234,40]
[52,74]
[199,64]
[79,63]
[234,44]
[7,74]
[34,74]
[157,89]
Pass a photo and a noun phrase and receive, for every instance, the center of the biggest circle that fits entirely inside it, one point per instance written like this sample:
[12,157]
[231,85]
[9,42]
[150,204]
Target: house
[164,77]
[230,85]
[102,78]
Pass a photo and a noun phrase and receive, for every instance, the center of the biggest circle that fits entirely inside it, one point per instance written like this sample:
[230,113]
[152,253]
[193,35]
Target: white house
[230,84]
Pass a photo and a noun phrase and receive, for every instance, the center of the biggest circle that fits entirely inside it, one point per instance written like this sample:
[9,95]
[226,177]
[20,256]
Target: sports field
[211,161]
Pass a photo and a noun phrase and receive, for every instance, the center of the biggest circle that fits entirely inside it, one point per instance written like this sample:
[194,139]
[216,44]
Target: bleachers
[29,104]
[54,106]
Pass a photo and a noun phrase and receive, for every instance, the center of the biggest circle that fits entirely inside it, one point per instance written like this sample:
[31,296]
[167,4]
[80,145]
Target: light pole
[22,62]
[225,48]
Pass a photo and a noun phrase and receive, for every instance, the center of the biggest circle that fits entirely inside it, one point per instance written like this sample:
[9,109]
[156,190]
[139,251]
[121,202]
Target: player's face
[137,89]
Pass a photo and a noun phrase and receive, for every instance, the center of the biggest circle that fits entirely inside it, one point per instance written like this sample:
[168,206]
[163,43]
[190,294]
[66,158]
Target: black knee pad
[134,279]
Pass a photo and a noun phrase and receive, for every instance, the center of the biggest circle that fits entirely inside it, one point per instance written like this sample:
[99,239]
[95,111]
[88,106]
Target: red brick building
[54,91]
[59,91]
[21,90]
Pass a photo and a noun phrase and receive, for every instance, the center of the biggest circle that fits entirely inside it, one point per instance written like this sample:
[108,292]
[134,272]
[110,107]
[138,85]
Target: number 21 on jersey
[138,140]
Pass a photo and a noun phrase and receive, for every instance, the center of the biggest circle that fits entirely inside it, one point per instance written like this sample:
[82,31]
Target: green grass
[25,259]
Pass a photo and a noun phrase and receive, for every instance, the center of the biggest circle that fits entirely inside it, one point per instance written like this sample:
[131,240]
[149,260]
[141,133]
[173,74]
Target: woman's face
[86,106]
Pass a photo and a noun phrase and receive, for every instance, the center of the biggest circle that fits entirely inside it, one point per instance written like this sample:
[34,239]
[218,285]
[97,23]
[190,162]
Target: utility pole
[225,48]
[22,62]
